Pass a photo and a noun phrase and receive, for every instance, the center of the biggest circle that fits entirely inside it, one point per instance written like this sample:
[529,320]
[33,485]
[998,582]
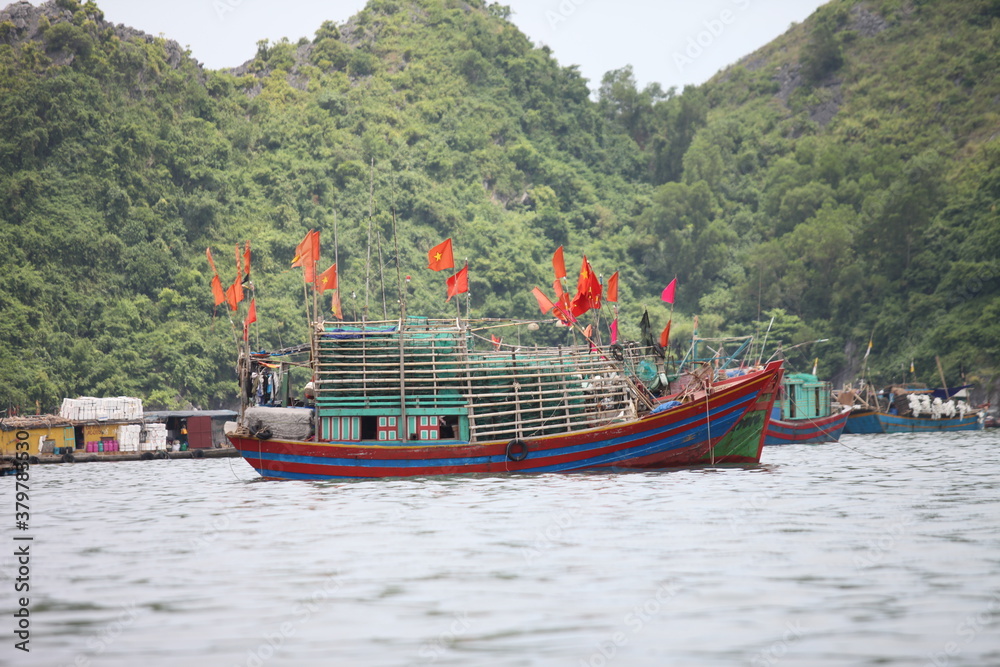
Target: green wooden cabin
[803,396]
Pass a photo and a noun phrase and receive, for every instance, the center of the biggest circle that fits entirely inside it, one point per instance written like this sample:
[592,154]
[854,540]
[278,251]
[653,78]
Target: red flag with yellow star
[327,279]
[440,257]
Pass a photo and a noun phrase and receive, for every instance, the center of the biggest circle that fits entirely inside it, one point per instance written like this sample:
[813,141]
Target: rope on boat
[708,422]
[837,439]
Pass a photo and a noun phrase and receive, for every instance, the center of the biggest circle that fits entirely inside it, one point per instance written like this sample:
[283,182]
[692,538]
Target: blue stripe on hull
[863,424]
[718,426]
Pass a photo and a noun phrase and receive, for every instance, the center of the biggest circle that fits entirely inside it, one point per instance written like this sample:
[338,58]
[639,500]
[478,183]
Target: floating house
[91,429]
[46,434]
[206,428]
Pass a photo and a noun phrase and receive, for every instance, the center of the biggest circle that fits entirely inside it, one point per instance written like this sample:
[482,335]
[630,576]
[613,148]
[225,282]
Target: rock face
[866,23]
[22,22]
[24,17]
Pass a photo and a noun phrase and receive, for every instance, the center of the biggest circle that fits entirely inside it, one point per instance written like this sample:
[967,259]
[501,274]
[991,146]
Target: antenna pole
[399,278]
[371,213]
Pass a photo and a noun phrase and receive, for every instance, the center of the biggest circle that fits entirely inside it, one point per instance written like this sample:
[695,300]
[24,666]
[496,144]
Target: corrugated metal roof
[153,415]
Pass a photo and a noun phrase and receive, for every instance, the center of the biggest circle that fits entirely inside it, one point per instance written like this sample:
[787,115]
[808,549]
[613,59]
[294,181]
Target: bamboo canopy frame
[426,365]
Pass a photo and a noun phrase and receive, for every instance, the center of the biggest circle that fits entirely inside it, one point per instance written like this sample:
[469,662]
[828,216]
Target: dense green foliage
[844,179]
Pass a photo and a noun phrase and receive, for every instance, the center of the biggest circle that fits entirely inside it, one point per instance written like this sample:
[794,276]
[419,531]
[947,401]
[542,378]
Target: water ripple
[881,551]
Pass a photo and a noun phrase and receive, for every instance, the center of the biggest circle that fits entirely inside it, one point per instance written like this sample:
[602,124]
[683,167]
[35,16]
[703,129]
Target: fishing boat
[910,408]
[915,408]
[804,413]
[907,424]
[419,397]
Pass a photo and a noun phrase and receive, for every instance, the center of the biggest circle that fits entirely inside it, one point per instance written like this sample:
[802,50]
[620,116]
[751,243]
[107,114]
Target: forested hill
[843,180]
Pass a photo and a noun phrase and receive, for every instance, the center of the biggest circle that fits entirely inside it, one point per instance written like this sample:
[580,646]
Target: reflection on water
[882,551]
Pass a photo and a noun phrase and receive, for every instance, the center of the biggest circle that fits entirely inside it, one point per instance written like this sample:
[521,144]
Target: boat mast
[368,261]
[336,261]
[381,275]
[404,427]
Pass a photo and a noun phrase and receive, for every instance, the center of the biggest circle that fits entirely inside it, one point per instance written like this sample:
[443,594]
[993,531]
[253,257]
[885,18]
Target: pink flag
[668,292]
[614,331]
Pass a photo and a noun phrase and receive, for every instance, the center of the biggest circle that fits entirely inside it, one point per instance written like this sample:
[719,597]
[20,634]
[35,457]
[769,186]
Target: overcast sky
[671,42]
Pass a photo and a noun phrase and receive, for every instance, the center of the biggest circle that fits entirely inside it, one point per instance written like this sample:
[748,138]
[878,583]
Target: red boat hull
[800,431]
[677,437]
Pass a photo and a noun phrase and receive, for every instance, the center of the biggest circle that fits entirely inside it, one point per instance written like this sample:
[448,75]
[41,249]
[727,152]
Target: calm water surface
[883,550]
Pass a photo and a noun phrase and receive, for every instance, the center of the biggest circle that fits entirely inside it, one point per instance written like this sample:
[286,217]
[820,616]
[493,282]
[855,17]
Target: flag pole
[371,213]
[458,302]
[468,294]
[399,277]
[315,317]
[381,275]
[864,365]
[336,258]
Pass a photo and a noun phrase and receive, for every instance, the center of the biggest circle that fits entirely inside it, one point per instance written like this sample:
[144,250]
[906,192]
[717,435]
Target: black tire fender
[260,431]
[517,450]
[68,458]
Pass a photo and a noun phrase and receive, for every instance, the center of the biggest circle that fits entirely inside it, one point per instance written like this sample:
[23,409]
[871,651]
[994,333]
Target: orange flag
[587,333]
[252,312]
[665,335]
[217,292]
[559,263]
[440,257]
[246,259]
[238,289]
[251,318]
[564,308]
[458,283]
[543,301]
[588,290]
[211,262]
[231,297]
[327,279]
[582,279]
[557,286]
[496,342]
[239,264]
[335,306]
[612,287]
[307,254]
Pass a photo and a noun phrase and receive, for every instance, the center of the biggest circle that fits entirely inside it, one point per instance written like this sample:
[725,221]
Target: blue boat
[899,424]
[900,417]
